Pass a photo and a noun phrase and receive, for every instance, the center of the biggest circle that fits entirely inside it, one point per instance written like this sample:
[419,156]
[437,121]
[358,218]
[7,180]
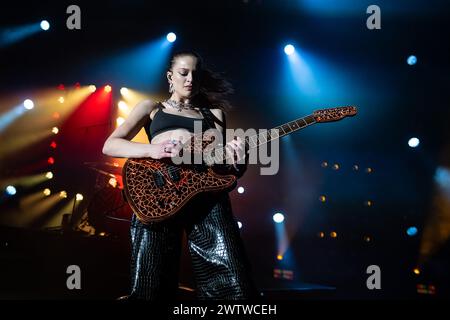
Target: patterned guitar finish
[158,189]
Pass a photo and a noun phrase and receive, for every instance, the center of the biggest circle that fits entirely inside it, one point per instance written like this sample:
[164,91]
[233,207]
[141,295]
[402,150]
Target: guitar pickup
[174,173]
[159,179]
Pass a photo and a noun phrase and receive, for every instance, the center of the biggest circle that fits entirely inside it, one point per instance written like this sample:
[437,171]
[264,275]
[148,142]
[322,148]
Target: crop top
[164,121]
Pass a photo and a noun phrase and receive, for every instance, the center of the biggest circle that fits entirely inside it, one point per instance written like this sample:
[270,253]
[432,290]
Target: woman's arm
[118,143]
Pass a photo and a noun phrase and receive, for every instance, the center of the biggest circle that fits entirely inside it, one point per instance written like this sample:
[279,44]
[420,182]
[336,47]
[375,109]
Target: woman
[217,253]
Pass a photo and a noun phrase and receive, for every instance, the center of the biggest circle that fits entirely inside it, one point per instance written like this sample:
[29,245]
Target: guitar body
[157,189]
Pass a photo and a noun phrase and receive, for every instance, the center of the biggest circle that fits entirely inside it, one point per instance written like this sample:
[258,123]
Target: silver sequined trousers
[219,262]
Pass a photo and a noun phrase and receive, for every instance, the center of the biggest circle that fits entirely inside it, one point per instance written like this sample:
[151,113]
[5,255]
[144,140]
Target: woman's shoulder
[218,113]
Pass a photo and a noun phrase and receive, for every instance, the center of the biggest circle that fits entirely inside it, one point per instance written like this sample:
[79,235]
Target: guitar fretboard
[266,136]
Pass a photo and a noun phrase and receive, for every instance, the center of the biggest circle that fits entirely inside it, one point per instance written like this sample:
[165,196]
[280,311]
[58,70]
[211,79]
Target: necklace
[179,105]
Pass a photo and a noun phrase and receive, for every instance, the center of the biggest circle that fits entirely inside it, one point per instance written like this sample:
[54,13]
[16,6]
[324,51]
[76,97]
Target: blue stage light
[45,25]
[412,231]
[171,37]
[413,142]
[412,60]
[10,190]
[289,49]
[278,217]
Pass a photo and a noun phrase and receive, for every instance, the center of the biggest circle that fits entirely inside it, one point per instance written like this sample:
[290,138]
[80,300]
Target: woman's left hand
[235,150]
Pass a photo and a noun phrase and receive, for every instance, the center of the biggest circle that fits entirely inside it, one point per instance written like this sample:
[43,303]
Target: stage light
[45,25]
[333,234]
[413,142]
[124,91]
[368,203]
[412,60]
[55,115]
[240,190]
[55,130]
[61,99]
[324,164]
[335,166]
[53,144]
[28,104]
[63,194]
[367,239]
[356,167]
[171,37]
[10,190]
[108,88]
[119,121]
[49,175]
[321,234]
[92,88]
[369,170]
[47,192]
[416,271]
[77,85]
[411,231]
[61,87]
[123,106]
[278,217]
[322,198]
[239,224]
[289,49]
[279,257]
[113,182]
[51,160]
[79,197]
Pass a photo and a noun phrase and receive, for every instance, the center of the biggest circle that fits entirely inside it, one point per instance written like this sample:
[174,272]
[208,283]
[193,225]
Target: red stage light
[53,145]
[61,87]
[51,160]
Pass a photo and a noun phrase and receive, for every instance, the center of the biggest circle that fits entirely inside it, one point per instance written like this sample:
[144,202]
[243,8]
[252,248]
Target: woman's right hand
[166,149]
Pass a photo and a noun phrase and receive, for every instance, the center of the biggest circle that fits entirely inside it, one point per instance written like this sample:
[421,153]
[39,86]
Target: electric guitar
[157,189]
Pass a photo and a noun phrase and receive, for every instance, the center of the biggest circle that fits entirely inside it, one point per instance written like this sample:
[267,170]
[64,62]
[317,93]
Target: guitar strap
[211,119]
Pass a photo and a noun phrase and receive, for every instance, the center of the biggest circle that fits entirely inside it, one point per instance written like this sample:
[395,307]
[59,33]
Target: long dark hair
[213,87]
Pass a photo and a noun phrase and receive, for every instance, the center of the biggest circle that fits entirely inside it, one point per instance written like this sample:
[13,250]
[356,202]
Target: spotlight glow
[123,106]
[119,121]
[240,190]
[239,224]
[92,88]
[289,49]
[45,25]
[11,190]
[79,197]
[61,99]
[124,91]
[28,104]
[63,194]
[412,60]
[413,142]
[55,130]
[47,192]
[49,175]
[411,231]
[171,37]
[278,217]
[108,88]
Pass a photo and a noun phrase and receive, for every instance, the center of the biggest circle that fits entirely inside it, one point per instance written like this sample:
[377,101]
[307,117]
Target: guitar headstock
[334,114]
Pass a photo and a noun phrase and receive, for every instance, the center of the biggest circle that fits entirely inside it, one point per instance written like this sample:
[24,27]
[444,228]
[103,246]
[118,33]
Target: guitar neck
[275,133]
[266,135]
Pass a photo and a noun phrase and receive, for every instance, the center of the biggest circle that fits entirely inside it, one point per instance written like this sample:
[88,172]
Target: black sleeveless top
[164,121]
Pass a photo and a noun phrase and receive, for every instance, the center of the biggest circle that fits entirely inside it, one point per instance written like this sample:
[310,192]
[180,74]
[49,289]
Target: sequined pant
[220,265]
